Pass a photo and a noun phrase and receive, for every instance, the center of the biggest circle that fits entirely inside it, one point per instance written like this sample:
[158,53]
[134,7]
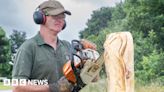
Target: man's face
[56,22]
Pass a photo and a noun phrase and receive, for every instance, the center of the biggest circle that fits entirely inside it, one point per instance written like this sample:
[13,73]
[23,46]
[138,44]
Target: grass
[154,87]
[2,87]
[101,85]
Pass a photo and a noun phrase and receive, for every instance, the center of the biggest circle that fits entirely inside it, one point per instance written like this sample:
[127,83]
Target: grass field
[101,87]
[149,88]
[2,87]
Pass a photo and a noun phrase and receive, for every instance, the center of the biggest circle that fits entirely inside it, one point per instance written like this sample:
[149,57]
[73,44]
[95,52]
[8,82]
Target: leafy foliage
[4,54]
[98,21]
[4,46]
[8,48]
[16,39]
[145,20]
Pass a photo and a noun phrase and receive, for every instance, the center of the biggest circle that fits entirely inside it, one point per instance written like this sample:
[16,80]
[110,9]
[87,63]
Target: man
[42,57]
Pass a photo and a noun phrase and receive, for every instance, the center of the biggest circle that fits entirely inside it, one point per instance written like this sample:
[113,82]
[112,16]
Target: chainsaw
[86,68]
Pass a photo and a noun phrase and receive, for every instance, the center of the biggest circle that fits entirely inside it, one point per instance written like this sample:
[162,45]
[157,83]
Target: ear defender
[64,26]
[39,17]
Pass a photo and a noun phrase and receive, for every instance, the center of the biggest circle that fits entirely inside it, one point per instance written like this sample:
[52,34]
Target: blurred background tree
[8,48]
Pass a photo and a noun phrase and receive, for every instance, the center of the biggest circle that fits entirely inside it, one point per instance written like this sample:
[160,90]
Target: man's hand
[88,44]
[61,86]
[31,88]
[64,85]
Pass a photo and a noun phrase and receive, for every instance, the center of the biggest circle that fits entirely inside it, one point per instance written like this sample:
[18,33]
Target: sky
[18,15]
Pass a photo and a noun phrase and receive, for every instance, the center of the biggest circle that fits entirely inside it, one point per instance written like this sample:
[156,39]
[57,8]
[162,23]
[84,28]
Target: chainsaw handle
[76,45]
[76,71]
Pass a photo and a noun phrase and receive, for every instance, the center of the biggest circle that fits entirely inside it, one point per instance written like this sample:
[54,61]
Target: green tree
[5,54]
[8,49]
[4,44]
[152,68]
[145,20]
[16,39]
[99,20]
[145,15]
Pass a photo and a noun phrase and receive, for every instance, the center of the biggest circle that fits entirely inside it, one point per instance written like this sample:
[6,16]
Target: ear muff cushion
[64,26]
[39,17]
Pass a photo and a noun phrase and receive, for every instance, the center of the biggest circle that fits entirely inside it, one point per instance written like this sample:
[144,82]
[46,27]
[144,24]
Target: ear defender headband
[39,17]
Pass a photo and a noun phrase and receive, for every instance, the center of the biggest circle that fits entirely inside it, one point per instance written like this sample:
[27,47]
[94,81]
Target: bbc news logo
[23,82]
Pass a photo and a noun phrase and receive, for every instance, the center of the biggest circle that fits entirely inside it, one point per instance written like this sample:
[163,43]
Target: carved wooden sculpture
[119,62]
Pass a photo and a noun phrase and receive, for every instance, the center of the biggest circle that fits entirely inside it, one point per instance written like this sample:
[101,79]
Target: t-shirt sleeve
[22,64]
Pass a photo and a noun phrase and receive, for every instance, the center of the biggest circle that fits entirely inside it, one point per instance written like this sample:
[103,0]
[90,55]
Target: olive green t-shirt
[37,60]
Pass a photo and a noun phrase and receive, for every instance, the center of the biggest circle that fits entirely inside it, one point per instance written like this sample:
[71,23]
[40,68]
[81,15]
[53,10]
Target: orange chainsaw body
[67,69]
[68,72]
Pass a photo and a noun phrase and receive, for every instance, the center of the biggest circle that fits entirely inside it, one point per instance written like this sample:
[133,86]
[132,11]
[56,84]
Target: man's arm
[62,85]
[31,88]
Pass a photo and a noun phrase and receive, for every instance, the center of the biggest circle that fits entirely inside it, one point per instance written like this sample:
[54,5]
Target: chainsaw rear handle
[76,45]
[71,70]
[76,71]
